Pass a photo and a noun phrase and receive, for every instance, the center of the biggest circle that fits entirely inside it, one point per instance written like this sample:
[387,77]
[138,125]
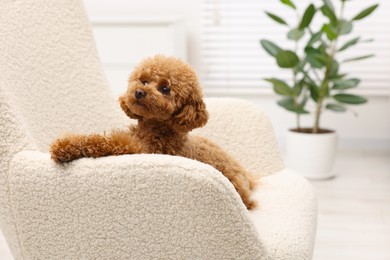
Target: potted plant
[316,76]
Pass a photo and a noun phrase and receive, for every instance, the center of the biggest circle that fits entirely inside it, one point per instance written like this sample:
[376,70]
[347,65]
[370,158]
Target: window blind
[234,62]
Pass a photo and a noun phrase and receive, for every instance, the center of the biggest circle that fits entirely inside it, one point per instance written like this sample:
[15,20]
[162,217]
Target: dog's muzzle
[139,93]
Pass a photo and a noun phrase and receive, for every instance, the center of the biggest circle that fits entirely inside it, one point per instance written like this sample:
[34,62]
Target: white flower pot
[311,155]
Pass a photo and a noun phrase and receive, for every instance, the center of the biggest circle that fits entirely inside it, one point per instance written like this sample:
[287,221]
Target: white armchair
[131,206]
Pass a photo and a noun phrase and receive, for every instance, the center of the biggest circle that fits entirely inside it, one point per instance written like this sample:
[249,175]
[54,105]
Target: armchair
[133,206]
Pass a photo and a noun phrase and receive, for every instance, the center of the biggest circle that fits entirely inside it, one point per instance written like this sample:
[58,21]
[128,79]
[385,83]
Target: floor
[354,209]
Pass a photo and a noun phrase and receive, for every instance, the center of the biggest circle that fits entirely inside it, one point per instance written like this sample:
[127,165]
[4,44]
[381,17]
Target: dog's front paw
[64,150]
[250,204]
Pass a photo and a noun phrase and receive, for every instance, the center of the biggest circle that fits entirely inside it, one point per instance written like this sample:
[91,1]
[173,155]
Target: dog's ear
[190,116]
[126,109]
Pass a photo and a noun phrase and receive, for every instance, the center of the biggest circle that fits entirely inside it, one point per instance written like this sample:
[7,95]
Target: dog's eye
[164,89]
[144,82]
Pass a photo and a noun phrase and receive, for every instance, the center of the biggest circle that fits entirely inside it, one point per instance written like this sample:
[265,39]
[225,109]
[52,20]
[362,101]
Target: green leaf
[288,103]
[289,3]
[324,91]
[314,38]
[345,84]
[300,66]
[340,76]
[350,99]
[276,18]
[307,17]
[365,13]
[311,56]
[368,40]
[287,59]
[328,12]
[297,89]
[323,48]
[330,31]
[329,4]
[336,107]
[345,27]
[323,58]
[359,58]
[280,87]
[314,92]
[295,34]
[270,47]
[334,69]
[349,44]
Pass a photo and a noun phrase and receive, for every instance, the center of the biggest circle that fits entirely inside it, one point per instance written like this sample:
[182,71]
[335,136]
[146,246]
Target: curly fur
[165,97]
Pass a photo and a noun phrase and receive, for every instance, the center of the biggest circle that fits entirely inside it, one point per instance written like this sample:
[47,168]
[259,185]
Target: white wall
[370,129]
[190,10]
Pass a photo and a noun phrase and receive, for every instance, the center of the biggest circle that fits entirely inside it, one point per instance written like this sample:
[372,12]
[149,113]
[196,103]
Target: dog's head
[165,89]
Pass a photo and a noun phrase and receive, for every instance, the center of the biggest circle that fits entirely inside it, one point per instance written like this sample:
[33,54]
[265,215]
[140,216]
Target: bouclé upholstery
[132,206]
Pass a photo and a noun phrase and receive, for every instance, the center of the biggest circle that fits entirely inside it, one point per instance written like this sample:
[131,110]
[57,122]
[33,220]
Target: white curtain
[233,60]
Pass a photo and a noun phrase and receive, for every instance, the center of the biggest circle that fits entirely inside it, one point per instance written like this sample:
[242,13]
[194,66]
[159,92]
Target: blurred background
[220,39]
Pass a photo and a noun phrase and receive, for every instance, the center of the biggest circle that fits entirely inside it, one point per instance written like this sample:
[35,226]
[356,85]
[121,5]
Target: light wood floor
[354,210]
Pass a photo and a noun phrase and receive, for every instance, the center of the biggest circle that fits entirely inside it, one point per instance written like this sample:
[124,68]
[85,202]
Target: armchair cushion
[287,215]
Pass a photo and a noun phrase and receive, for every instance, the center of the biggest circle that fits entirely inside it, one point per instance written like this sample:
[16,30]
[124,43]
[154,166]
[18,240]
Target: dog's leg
[208,152]
[73,146]
[240,183]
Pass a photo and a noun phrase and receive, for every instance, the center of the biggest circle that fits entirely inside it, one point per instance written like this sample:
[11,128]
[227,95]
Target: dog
[165,97]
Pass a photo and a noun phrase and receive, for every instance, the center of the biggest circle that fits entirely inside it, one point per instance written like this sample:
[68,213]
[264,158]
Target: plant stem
[325,82]
[295,99]
[317,116]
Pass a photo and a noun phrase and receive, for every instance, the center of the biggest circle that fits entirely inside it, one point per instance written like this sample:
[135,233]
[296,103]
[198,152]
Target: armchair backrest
[50,81]
[50,72]
[246,132]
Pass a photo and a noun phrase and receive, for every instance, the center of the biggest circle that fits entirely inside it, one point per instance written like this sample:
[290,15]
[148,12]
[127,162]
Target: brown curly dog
[165,97]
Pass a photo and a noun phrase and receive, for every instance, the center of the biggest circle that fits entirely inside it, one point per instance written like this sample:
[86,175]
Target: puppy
[165,97]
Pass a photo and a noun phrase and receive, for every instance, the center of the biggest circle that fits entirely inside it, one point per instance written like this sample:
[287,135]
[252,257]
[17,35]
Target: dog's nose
[139,93]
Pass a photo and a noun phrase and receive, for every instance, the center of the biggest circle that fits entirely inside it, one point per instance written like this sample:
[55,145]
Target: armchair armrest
[128,207]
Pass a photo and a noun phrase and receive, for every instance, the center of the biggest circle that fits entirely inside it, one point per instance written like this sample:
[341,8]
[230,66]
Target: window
[233,61]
